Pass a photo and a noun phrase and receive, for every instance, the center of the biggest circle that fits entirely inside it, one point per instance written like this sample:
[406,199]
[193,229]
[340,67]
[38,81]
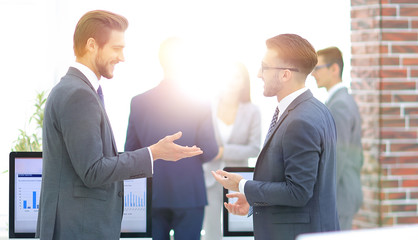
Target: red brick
[363,73]
[387,221]
[365,36]
[365,13]
[403,1]
[398,134]
[411,110]
[409,183]
[399,36]
[365,62]
[405,49]
[407,220]
[405,98]
[404,208]
[386,98]
[414,24]
[389,61]
[388,11]
[390,110]
[394,24]
[414,73]
[410,61]
[364,23]
[404,171]
[396,85]
[404,147]
[410,159]
[408,11]
[413,122]
[413,195]
[389,183]
[398,159]
[392,196]
[392,122]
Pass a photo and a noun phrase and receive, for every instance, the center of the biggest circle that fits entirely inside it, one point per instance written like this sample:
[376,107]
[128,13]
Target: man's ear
[91,45]
[335,68]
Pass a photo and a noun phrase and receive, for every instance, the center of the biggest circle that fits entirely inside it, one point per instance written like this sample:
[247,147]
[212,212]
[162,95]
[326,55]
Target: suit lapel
[301,98]
[75,72]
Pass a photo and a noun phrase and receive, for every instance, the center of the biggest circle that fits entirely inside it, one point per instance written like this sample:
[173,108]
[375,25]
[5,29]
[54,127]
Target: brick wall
[384,83]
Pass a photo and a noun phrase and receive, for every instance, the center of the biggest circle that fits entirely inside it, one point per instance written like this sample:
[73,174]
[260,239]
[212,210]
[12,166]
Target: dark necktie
[273,122]
[100,92]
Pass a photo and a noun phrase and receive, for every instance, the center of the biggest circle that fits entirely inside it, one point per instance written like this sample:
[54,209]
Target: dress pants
[186,223]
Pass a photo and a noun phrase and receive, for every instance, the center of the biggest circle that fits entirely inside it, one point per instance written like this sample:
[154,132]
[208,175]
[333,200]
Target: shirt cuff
[152,160]
[241,185]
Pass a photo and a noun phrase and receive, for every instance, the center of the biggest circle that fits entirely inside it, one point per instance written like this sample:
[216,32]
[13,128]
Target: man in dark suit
[328,74]
[179,192]
[293,190]
[82,187]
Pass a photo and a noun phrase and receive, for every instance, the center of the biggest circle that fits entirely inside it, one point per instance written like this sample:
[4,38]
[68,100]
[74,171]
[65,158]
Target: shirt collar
[286,101]
[334,89]
[88,73]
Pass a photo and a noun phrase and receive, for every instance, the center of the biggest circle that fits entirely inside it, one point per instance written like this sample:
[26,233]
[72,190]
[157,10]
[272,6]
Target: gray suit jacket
[349,151]
[243,143]
[82,188]
[293,190]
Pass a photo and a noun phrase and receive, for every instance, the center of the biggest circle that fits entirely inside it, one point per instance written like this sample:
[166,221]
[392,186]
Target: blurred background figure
[328,74]
[178,190]
[238,132]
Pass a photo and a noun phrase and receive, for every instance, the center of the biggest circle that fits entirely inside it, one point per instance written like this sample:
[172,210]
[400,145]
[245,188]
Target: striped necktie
[273,122]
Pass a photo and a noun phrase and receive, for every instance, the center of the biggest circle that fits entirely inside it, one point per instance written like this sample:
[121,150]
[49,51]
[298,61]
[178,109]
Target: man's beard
[101,68]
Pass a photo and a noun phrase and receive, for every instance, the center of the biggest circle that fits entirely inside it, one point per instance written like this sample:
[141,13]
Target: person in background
[293,188]
[82,178]
[178,189]
[328,74]
[238,131]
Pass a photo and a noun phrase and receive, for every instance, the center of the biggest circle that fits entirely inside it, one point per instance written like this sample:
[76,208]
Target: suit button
[256,213]
[120,194]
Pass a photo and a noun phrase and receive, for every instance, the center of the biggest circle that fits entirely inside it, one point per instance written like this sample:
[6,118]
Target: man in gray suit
[293,189]
[328,74]
[82,179]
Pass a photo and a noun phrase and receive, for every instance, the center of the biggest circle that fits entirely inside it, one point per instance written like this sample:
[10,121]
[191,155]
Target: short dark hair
[96,24]
[332,55]
[294,50]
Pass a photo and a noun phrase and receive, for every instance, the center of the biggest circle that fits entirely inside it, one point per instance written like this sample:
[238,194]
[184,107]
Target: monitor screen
[234,225]
[25,184]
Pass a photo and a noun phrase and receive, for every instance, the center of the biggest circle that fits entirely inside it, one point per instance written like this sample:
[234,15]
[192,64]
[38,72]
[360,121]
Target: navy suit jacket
[162,111]
[294,187]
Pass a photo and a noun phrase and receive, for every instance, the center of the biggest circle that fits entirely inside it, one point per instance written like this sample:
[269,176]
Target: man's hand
[228,180]
[240,207]
[166,149]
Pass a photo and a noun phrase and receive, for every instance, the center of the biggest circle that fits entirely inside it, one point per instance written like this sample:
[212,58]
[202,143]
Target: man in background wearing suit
[178,189]
[293,189]
[82,179]
[328,74]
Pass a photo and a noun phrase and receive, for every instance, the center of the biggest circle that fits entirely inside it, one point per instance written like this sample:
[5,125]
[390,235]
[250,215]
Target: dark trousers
[186,223]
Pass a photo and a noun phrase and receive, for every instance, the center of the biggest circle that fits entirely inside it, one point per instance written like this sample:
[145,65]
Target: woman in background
[238,132]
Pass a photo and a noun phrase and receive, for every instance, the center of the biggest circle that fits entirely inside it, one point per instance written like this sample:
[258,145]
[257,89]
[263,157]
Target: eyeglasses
[322,66]
[263,67]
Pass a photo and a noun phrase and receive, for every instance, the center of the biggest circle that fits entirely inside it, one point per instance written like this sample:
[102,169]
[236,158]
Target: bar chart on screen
[27,197]
[135,207]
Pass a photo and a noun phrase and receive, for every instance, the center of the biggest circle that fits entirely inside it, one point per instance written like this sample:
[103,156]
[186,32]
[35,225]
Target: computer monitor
[25,174]
[233,225]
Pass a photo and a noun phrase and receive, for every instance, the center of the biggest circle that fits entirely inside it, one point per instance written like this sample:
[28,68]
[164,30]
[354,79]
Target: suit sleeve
[238,152]
[206,137]
[301,154]
[342,117]
[85,129]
